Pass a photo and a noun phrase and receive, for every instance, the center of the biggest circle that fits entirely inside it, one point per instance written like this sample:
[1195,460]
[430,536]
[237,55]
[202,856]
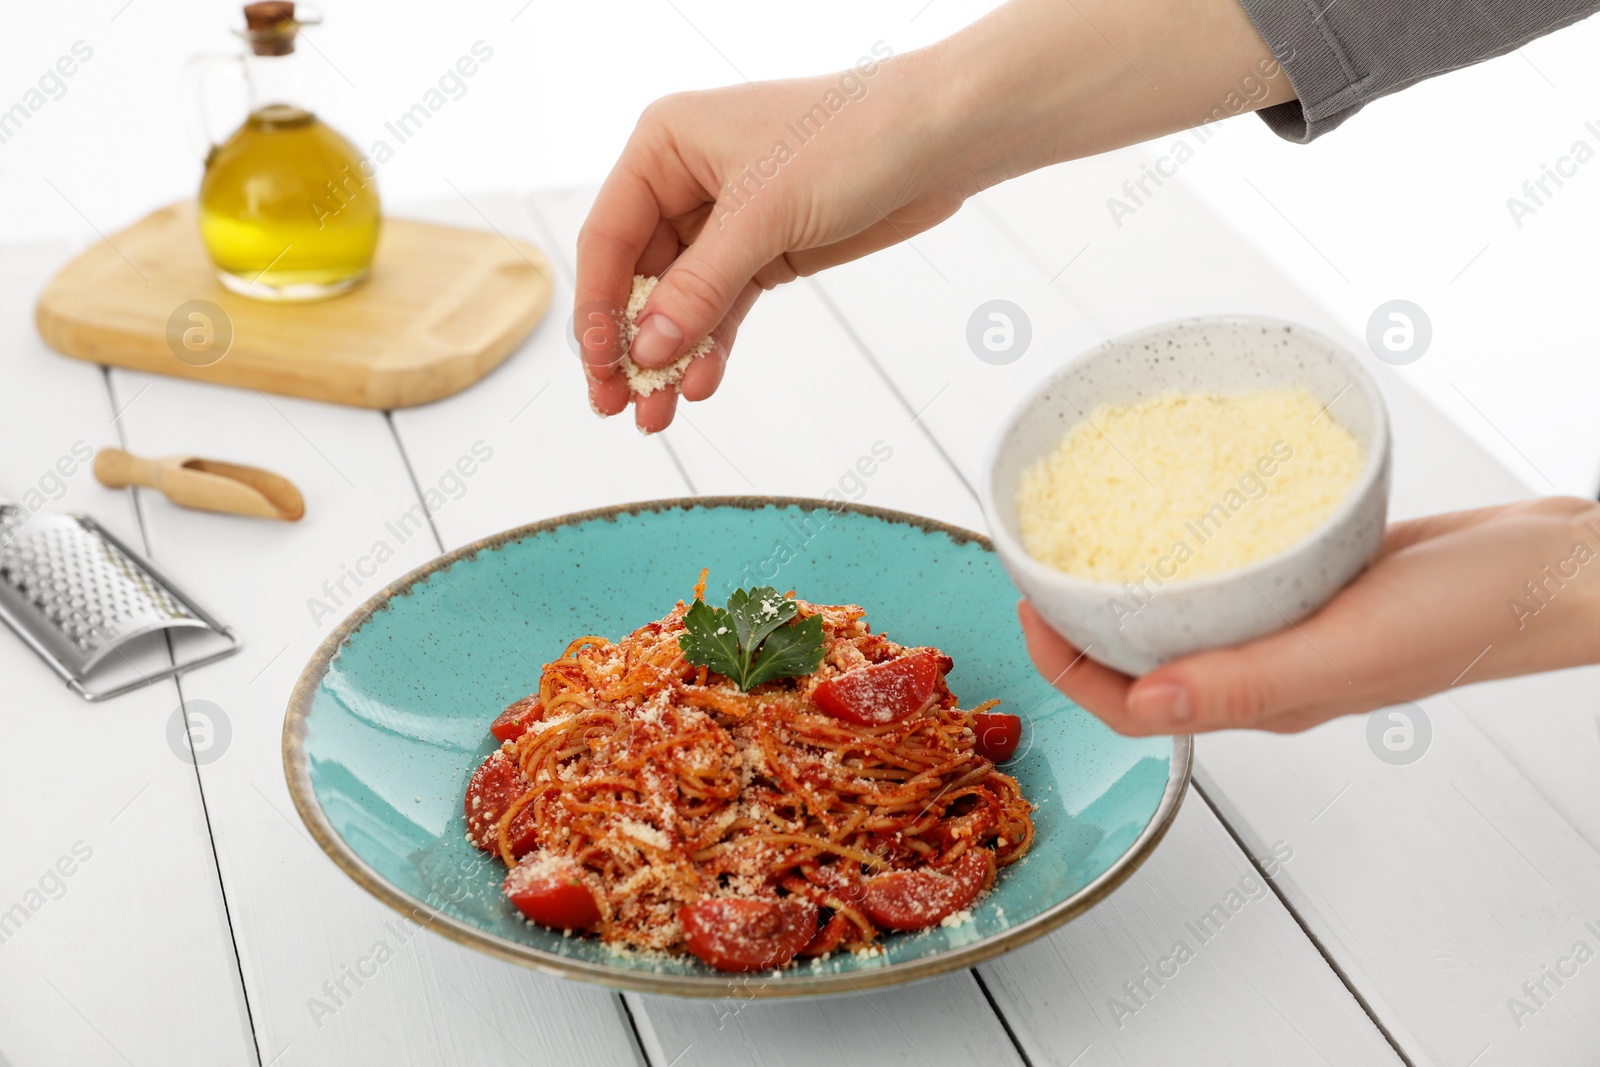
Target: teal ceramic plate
[391,717]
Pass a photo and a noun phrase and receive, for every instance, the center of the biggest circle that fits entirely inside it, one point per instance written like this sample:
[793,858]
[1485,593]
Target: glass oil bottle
[289,209]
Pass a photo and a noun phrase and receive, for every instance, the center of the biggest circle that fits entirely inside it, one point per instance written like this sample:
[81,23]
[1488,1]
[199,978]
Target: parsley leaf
[790,652]
[709,640]
[751,642]
[758,612]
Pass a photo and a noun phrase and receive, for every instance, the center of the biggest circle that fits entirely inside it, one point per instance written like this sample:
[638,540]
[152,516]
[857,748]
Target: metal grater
[79,598]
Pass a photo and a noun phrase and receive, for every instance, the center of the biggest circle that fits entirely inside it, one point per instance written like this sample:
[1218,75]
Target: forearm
[1038,82]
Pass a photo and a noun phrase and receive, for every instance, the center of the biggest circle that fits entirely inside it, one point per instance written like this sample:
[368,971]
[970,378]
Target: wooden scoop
[204,483]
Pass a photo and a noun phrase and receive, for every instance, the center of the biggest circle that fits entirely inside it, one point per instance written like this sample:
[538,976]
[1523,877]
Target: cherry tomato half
[494,787]
[998,735]
[513,722]
[882,693]
[913,900]
[551,894]
[733,934]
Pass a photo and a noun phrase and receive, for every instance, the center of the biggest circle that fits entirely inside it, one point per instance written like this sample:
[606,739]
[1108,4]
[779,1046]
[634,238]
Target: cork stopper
[270,27]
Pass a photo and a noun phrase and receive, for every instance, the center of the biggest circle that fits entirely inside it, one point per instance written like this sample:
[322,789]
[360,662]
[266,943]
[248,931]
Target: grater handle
[115,469]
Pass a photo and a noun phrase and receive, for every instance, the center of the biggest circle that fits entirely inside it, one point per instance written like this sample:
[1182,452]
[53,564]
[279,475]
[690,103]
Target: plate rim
[297,773]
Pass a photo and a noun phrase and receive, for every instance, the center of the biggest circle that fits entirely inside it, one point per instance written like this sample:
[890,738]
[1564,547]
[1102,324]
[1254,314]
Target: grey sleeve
[1341,54]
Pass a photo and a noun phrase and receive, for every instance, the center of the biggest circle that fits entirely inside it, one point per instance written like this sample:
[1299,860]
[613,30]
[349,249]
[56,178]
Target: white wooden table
[1406,905]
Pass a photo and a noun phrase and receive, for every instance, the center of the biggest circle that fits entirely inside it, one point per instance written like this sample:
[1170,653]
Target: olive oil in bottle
[288,208]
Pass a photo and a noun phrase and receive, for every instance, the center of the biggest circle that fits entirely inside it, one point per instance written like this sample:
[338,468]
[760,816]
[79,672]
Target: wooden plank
[300,922]
[945,1020]
[104,855]
[1460,917]
[1548,725]
[1194,960]
[1439,887]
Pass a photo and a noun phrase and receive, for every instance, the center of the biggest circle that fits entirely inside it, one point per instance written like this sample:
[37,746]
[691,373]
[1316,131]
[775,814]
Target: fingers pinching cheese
[644,381]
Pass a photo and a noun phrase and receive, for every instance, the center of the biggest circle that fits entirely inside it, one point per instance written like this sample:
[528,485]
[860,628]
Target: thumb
[700,287]
[1244,687]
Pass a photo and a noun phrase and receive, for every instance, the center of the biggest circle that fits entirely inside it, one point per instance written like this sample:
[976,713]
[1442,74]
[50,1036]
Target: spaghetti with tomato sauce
[648,801]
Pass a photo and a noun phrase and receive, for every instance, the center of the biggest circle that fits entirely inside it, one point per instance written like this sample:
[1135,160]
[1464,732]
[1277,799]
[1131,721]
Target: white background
[1407,200]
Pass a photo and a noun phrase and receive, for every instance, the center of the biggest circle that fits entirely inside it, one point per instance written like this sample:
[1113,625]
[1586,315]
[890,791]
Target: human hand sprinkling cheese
[726,192]
[1451,600]
[740,189]
[659,213]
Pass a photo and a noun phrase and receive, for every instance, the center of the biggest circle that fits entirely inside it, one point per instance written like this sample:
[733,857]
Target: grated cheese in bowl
[1186,484]
[1191,485]
[642,381]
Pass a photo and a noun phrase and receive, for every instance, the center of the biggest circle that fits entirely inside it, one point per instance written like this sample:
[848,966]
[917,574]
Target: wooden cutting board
[441,308]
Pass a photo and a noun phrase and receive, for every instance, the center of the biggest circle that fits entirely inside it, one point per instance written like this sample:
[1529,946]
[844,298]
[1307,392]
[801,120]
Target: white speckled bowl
[1220,354]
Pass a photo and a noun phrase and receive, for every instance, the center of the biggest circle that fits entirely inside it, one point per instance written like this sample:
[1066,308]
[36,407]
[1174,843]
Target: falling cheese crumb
[1185,485]
[641,381]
